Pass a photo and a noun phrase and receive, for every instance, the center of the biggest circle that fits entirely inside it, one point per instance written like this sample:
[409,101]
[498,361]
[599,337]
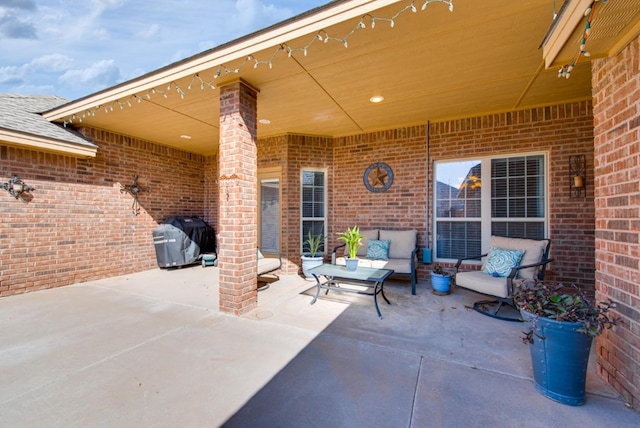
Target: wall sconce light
[134,189]
[577,174]
[16,187]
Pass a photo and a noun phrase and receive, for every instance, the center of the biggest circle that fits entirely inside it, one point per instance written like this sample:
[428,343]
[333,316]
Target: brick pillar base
[238,215]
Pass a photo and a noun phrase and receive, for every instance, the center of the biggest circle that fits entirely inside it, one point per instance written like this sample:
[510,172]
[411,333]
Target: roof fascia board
[288,30]
[46,144]
[568,21]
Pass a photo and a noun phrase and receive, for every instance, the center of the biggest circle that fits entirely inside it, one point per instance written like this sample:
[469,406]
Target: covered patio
[294,100]
[152,349]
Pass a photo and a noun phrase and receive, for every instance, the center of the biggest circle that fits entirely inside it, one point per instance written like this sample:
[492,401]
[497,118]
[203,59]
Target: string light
[565,70]
[426,3]
[320,36]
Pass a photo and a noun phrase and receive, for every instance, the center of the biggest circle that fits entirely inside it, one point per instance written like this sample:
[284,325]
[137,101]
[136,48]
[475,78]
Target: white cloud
[51,63]
[149,33]
[11,75]
[250,12]
[108,4]
[34,89]
[101,34]
[100,74]
[13,27]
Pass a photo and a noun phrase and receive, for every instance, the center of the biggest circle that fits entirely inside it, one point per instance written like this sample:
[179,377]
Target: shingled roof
[22,124]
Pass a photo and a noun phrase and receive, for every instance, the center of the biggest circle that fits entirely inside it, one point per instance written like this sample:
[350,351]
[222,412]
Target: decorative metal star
[378,177]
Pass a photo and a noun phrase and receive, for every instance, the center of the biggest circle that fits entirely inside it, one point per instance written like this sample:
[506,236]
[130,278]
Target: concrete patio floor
[152,350]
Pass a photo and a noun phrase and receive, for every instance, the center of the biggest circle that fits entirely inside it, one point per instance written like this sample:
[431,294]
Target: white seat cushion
[397,265]
[267,264]
[482,283]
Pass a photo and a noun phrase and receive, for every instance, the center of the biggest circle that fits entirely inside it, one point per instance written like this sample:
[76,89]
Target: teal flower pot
[559,356]
[441,284]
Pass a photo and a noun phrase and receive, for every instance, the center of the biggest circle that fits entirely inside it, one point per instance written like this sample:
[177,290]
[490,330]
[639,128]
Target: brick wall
[79,226]
[562,131]
[95,203]
[616,91]
[403,205]
[292,153]
[211,191]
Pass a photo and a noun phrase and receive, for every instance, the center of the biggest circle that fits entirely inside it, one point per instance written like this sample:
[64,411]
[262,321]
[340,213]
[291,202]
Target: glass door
[269,211]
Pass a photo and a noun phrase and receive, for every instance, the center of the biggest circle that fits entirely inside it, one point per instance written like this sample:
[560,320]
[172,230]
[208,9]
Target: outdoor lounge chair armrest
[280,258]
[333,253]
[459,262]
[339,246]
[514,271]
[414,258]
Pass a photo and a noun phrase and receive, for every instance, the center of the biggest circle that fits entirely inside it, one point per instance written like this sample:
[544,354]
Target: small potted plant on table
[561,324]
[353,239]
[440,280]
[312,258]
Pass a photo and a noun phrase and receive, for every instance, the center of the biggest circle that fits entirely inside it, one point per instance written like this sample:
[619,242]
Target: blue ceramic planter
[441,284]
[351,264]
[560,356]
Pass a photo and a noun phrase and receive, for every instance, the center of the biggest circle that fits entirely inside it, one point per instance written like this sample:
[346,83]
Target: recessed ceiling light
[264,121]
[186,137]
[376,99]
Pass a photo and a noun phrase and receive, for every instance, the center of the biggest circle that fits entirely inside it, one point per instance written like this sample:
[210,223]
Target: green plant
[353,239]
[438,270]
[562,303]
[313,243]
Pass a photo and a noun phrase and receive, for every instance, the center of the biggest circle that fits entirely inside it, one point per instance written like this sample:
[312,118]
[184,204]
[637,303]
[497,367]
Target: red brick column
[616,85]
[237,190]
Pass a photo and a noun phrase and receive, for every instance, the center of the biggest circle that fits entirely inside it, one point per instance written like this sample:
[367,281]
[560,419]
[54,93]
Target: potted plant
[353,239]
[312,257]
[561,323]
[440,280]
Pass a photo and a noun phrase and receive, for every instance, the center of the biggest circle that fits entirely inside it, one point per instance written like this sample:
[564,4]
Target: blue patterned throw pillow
[501,261]
[378,249]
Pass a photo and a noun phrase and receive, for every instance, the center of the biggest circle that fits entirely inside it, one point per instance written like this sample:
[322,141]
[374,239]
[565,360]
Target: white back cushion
[403,242]
[533,252]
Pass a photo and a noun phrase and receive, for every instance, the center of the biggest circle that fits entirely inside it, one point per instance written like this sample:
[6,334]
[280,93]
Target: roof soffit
[615,24]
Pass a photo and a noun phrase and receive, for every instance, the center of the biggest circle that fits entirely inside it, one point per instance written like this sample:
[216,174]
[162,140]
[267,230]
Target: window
[469,209]
[314,206]
[269,199]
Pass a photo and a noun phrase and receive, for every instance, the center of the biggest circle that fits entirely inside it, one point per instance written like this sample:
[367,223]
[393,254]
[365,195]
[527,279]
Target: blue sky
[75,48]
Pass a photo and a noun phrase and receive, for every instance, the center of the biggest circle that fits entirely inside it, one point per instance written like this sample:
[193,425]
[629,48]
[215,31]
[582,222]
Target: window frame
[486,218]
[324,219]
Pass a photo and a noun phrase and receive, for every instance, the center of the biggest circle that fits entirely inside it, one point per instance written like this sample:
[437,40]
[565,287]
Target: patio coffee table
[336,275]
